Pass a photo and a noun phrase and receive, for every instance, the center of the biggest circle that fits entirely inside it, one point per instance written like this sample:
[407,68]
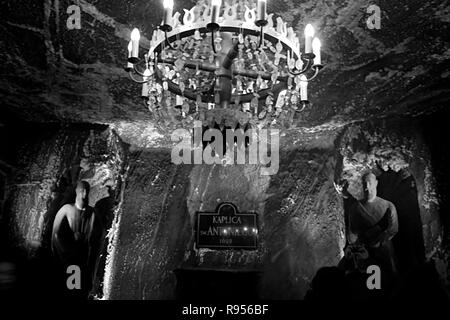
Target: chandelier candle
[261,10]
[303,88]
[309,34]
[129,64]
[145,85]
[168,12]
[135,36]
[316,45]
[215,10]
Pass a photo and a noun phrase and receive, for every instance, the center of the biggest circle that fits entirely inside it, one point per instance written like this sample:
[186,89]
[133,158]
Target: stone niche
[44,167]
[408,157]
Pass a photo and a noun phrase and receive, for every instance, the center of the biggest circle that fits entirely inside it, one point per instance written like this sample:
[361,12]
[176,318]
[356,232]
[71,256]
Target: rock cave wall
[300,219]
[44,167]
[400,154]
[47,171]
[151,203]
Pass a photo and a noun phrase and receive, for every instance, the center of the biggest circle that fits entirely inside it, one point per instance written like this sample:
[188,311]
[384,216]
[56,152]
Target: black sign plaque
[226,228]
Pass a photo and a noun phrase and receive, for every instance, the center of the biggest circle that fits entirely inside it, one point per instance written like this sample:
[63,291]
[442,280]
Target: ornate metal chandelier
[224,61]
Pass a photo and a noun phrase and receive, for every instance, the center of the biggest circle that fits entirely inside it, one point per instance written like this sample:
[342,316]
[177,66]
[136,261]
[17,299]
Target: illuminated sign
[226,228]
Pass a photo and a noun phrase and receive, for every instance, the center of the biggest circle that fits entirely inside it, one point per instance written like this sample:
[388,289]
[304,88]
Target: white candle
[130,48]
[215,10]
[168,12]
[309,34]
[261,10]
[135,36]
[145,85]
[303,88]
[316,45]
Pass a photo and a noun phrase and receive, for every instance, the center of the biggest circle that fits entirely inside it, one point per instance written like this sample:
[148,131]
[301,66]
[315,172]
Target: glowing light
[303,87]
[147,73]
[316,45]
[309,30]
[168,4]
[309,34]
[135,35]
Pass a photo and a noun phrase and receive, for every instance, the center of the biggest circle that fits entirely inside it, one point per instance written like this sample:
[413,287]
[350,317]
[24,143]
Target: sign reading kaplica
[237,147]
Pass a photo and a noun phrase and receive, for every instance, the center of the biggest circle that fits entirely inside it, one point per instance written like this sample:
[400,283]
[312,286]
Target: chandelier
[221,61]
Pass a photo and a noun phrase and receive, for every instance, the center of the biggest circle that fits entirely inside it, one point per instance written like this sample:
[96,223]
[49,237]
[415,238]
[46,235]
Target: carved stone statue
[73,235]
[371,222]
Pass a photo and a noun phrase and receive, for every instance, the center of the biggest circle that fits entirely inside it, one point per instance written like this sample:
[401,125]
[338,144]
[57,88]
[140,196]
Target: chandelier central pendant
[230,56]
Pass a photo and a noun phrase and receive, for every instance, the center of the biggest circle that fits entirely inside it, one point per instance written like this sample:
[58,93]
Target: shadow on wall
[400,189]
[104,209]
[435,129]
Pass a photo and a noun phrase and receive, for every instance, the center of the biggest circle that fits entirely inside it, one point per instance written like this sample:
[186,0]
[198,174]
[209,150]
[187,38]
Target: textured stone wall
[46,171]
[151,229]
[300,220]
[399,149]
[301,217]
[43,171]
[151,202]
[305,223]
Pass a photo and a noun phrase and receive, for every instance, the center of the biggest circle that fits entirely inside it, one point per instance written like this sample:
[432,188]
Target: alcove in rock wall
[45,163]
[399,152]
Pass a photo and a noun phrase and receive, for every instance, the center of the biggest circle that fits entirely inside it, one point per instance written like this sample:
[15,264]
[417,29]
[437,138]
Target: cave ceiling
[52,74]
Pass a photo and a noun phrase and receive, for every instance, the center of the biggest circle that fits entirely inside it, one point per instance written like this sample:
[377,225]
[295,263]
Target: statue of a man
[72,234]
[371,222]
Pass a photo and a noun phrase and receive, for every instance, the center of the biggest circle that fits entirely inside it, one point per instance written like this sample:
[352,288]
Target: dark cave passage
[400,189]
